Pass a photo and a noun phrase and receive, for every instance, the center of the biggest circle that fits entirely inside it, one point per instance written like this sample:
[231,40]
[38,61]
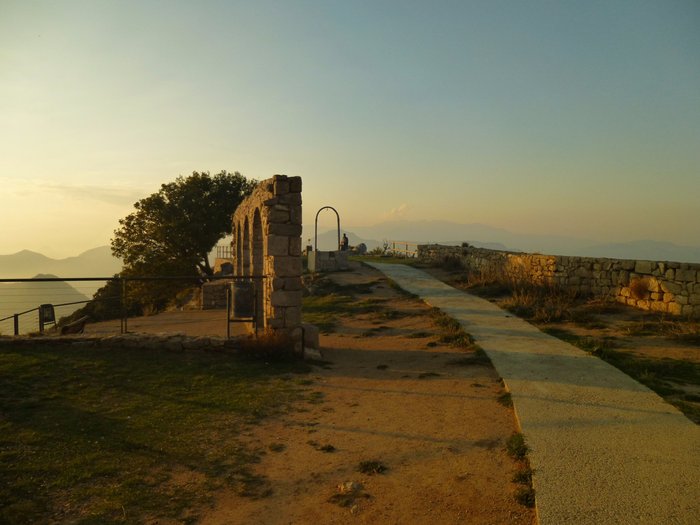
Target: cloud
[41,189]
[118,196]
[396,213]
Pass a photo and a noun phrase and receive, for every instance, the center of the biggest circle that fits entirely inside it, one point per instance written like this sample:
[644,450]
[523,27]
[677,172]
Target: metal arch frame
[316,225]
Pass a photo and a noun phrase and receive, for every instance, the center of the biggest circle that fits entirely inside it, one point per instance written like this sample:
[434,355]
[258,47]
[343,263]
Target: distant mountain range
[445,232]
[98,262]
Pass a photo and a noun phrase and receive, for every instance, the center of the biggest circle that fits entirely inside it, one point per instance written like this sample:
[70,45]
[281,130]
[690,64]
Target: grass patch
[418,335]
[371,467]
[91,436]
[525,496]
[516,447]
[505,399]
[323,311]
[523,476]
[452,332]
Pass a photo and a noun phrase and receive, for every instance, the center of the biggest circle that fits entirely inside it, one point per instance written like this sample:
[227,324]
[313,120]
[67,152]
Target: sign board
[46,313]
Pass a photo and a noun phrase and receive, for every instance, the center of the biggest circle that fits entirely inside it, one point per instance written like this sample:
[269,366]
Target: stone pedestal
[328,261]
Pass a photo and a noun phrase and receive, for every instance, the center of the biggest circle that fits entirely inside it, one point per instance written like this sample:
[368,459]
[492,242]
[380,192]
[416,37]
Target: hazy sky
[579,118]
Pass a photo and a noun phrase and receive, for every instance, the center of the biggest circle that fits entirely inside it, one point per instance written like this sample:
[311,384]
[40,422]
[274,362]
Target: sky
[547,117]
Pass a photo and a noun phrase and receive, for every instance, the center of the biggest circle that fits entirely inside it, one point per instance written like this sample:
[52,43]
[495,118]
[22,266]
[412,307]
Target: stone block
[670,274]
[583,272]
[681,299]
[275,323]
[311,336]
[278,215]
[292,316]
[285,298]
[277,245]
[290,230]
[658,306]
[671,287]
[668,297]
[294,184]
[655,296]
[687,309]
[643,304]
[271,202]
[278,283]
[653,285]
[627,265]
[686,275]
[295,246]
[292,283]
[291,198]
[645,267]
[295,215]
[281,186]
[674,308]
[286,266]
[694,299]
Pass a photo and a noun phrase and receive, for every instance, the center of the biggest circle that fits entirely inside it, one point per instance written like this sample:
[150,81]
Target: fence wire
[20,300]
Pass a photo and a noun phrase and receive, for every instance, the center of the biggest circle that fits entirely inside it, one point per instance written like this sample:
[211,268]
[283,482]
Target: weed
[516,446]
[327,448]
[424,375]
[277,447]
[523,475]
[505,399]
[371,467]
[315,398]
[525,496]
[418,335]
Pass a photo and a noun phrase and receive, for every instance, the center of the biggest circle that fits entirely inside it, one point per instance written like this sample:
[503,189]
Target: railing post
[124,328]
[16,319]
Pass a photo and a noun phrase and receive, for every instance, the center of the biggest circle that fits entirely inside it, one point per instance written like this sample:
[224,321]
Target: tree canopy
[172,231]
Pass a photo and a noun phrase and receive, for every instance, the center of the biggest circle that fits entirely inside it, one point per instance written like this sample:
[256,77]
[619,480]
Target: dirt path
[391,394]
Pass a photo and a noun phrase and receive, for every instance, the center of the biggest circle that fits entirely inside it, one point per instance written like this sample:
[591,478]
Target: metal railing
[121,300]
[224,251]
[402,248]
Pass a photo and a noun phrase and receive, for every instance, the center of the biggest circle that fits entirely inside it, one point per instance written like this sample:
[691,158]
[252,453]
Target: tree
[173,231]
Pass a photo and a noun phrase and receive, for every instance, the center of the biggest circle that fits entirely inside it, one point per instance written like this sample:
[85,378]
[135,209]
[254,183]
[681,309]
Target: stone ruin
[266,246]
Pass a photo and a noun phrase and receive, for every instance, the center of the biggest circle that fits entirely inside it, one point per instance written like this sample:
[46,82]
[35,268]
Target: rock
[349,487]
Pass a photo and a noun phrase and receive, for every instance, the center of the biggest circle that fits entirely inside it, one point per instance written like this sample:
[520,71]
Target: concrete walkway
[604,448]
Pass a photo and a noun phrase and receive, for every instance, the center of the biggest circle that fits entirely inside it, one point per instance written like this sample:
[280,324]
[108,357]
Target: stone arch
[258,257]
[268,243]
[238,252]
[245,255]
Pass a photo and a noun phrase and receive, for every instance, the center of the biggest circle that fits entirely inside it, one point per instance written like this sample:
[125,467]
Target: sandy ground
[386,395]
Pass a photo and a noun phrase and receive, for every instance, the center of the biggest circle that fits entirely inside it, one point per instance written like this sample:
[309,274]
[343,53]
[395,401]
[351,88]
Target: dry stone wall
[267,247]
[660,286]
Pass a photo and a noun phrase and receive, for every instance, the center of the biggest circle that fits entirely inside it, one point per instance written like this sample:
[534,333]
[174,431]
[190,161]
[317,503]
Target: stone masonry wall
[660,286]
[267,243]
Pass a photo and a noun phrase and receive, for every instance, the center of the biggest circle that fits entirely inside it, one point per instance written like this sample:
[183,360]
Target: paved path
[604,448]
